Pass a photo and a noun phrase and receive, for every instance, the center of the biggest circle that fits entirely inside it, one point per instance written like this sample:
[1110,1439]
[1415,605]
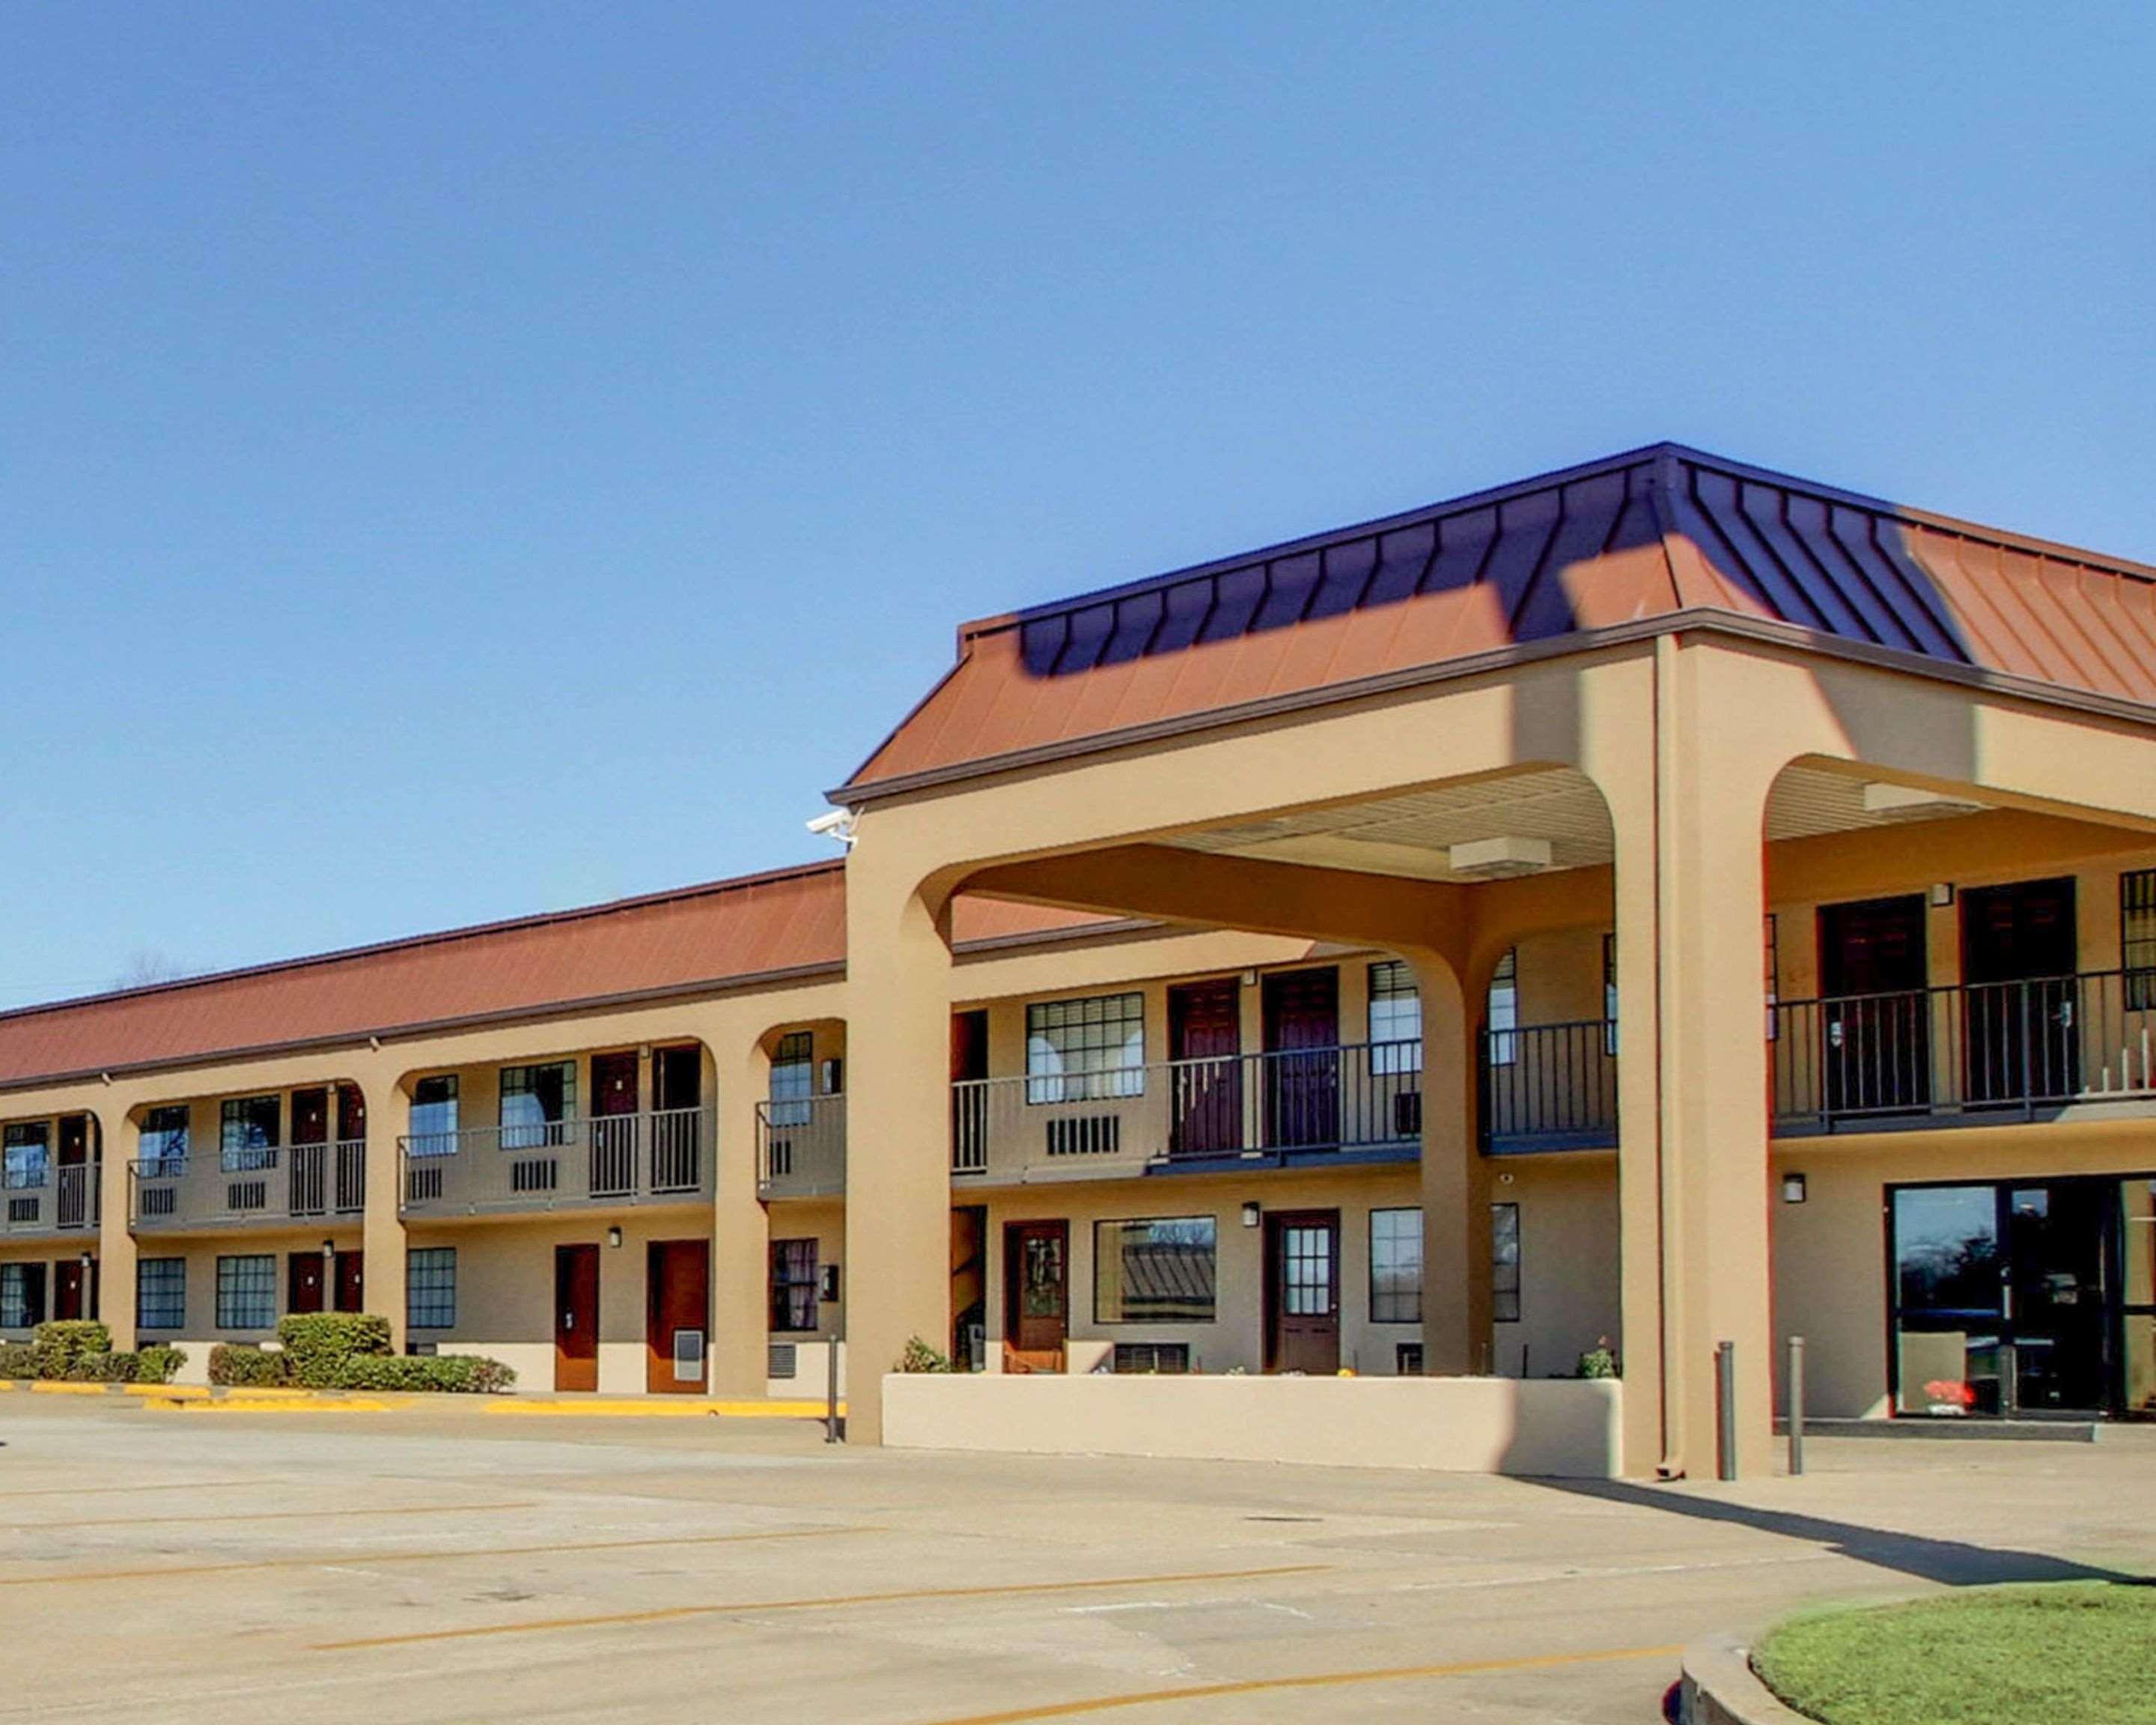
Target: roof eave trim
[1693,620]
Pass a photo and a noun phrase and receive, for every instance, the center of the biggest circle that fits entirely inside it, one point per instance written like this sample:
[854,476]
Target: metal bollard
[831,1392]
[1725,1401]
[1796,1404]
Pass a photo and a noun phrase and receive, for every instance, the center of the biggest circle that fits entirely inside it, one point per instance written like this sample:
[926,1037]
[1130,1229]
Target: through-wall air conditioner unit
[1499,859]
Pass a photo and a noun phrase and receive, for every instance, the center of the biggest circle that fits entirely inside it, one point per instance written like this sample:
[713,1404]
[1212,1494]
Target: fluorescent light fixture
[1499,859]
[1905,802]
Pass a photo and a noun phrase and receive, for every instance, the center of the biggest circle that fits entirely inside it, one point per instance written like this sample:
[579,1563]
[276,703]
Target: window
[1505,1263]
[1396,1266]
[1395,1019]
[433,1116]
[792,1078]
[1084,1050]
[537,1105]
[21,1295]
[164,1141]
[793,1285]
[1609,995]
[161,1293]
[430,1287]
[2137,938]
[247,1135]
[26,1155]
[247,1292]
[1502,1011]
[1153,1272]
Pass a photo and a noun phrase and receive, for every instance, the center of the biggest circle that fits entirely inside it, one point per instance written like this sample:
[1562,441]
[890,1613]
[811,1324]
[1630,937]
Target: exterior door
[1302,1291]
[304,1282]
[1036,1306]
[2020,1042]
[348,1178]
[72,1154]
[310,1170]
[677,1131]
[351,1282]
[576,1318]
[1205,1042]
[1302,1012]
[74,1290]
[677,1276]
[969,1283]
[969,1094]
[613,1124]
[1875,1024]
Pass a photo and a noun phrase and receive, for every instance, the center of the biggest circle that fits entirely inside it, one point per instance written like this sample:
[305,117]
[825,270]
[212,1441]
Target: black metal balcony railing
[801,1148]
[1278,1106]
[1548,1087]
[1977,1051]
[660,1157]
[260,1185]
[52,1200]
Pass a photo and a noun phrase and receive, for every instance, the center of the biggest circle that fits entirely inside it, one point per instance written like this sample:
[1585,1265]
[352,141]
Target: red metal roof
[1651,534]
[727,933]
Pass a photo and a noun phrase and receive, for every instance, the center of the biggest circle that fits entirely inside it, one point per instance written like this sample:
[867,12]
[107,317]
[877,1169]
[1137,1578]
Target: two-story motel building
[1658,903]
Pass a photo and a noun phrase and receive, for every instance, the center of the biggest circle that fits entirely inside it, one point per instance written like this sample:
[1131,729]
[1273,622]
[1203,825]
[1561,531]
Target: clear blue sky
[462,461]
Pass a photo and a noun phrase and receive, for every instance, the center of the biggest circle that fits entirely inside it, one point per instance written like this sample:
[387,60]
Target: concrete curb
[1719,1689]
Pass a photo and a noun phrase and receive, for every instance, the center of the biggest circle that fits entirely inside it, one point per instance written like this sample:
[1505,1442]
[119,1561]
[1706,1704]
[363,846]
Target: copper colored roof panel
[786,921]
[1639,537]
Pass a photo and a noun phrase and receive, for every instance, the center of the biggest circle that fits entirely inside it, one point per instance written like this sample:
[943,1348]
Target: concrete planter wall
[1555,1427]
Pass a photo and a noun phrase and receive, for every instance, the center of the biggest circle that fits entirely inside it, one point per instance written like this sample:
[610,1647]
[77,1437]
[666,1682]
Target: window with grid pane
[793,1285]
[247,1292]
[164,1141]
[792,1078]
[1396,1266]
[1500,1011]
[21,1295]
[1084,1050]
[1395,1019]
[2137,937]
[1505,1263]
[430,1287]
[247,1132]
[537,1105]
[161,1293]
[26,1158]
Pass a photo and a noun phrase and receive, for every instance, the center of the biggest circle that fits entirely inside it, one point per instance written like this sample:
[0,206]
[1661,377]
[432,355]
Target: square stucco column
[898,1149]
[388,1119]
[1455,1198]
[116,1242]
[741,1232]
[1693,1187]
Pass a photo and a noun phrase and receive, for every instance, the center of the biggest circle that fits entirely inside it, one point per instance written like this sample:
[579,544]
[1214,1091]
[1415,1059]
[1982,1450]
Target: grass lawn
[2083,1652]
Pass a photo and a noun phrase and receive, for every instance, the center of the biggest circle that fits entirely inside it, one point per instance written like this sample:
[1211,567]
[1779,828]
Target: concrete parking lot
[436,1565]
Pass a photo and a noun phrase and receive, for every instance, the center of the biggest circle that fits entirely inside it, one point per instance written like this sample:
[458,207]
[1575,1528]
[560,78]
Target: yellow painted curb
[168,1391]
[356,1405]
[58,1387]
[662,1407]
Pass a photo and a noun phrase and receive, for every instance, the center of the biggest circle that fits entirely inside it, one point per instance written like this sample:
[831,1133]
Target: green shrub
[1598,1361]
[18,1360]
[62,1341]
[238,1362]
[451,1373]
[159,1364]
[921,1357]
[318,1345]
[106,1367]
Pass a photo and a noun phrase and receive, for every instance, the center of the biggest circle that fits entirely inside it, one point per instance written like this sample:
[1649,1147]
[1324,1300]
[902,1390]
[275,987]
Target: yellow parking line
[274,1515]
[65,1388]
[662,1407]
[739,1608]
[347,1404]
[340,1560]
[1317,1679]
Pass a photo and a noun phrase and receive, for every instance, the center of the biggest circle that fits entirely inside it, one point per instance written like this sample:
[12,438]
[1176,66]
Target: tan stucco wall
[1569,1273]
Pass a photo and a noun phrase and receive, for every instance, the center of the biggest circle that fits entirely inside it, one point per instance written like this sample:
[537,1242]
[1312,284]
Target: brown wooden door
[612,1130]
[1301,1010]
[1036,1304]
[677,1077]
[2018,954]
[71,1290]
[1205,1041]
[303,1282]
[969,1096]
[1302,1291]
[350,1113]
[72,1189]
[576,1318]
[351,1281]
[1875,1024]
[677,1279]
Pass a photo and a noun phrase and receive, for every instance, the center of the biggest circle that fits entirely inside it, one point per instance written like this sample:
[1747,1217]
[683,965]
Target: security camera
[838,824]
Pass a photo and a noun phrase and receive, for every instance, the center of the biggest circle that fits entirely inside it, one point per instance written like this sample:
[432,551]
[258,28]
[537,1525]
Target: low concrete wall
[1561,1427]
[1719,1689]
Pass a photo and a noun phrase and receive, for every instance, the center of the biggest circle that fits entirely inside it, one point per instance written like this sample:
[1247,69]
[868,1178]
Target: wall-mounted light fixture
[85,1261]
[1792,1189]
[329,1251]
[1250,1215]
[614,1236]
[1942,894]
